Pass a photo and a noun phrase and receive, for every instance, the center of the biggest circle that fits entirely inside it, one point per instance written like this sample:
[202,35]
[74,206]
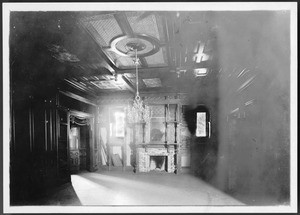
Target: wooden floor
[120,188]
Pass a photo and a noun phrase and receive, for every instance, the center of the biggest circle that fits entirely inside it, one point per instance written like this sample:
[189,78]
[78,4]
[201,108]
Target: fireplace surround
[146,151]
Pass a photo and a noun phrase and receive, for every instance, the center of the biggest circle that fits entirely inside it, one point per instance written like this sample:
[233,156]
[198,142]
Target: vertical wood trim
[33,130]
[92,143]
[50,130]
[175,132]
[68,142]
[56,138]
[30,127]
[46,135]
[167,36]
[179,109]
[125,142]
[125,149]
[97,136]
[176,123]
[13,130]
[166,126]
[57,99]
[108,141]
[143,127]
[56,132]
[136,152]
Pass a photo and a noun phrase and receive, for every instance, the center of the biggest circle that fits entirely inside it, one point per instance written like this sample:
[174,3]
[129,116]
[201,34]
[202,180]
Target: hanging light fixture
[138,112]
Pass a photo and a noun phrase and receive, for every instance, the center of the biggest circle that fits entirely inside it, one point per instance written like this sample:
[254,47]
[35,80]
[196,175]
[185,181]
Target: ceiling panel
[103,28]
[125,62]
[110,84]
[158,59]
[153,82]
[171,44]
[150,25]
[89,48]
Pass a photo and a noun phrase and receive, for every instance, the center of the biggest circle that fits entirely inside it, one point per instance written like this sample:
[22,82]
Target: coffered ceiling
[94,48]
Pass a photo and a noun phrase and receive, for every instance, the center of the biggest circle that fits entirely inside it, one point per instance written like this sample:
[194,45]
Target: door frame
[91,118]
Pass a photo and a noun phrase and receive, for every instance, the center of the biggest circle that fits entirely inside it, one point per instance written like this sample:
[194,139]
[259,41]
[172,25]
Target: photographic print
[150,107]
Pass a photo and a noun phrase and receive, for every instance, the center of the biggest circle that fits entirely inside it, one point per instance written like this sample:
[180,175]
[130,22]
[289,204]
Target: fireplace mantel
[145,151]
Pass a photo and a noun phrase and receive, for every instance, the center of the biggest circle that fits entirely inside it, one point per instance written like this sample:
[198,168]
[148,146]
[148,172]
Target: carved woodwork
[145,151]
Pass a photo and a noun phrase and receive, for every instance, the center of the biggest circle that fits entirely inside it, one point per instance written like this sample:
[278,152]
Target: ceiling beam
[154,70]
[76,84]
[129,85]
[77,97]
[66,87]
[161,90]
[167,32]
[122,20]
[202,64]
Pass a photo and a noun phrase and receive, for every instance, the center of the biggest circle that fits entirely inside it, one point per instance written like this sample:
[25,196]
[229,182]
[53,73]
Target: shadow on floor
[62,195]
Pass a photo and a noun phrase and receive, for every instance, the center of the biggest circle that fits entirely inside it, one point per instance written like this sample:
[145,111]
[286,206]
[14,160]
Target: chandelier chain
[138,112]
[137,76]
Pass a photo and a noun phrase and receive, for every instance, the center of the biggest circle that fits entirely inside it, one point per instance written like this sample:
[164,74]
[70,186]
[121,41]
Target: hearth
[158,163]
[159,157]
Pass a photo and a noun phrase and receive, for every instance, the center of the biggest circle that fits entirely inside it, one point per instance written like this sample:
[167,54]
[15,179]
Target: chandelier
[138,112]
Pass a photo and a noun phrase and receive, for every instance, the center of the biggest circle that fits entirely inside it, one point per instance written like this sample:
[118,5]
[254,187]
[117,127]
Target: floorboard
[153,188]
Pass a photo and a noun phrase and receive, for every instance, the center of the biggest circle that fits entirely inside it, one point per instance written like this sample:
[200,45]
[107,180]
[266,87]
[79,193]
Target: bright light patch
[201,124]
[74,138]
[120,122]
[200,72]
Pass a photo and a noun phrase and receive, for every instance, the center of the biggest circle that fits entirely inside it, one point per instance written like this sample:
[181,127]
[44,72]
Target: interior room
[149,108]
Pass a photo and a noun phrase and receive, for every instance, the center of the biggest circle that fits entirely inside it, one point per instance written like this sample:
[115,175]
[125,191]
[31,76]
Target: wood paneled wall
[39,156]
[140,134]
[34,144]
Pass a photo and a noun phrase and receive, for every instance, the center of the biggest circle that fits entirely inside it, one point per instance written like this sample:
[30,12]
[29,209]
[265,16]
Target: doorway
[80,142]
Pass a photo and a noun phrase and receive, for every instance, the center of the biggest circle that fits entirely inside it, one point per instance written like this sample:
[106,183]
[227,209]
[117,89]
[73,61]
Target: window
[201,124]
[201,121]
[120,122]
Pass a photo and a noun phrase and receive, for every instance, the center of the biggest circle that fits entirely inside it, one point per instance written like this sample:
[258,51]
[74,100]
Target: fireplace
[157,157]
[158,163]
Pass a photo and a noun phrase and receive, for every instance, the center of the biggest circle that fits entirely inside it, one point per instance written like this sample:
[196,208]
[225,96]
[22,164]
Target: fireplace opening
[158,163]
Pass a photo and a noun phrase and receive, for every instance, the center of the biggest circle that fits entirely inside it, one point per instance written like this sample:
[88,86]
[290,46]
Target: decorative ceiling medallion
[121,45]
